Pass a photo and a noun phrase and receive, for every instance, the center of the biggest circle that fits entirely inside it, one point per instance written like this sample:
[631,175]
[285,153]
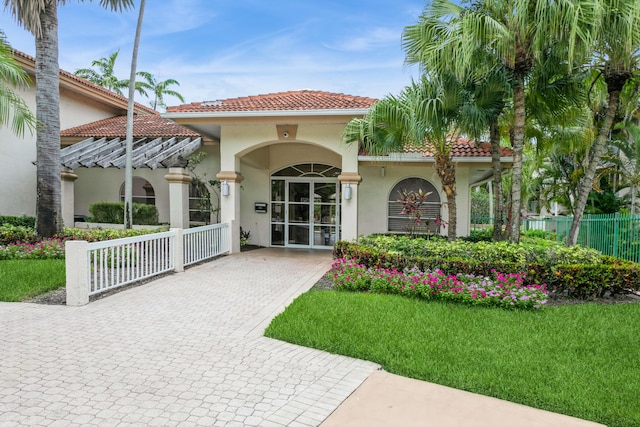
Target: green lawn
[579,360]
[26,278]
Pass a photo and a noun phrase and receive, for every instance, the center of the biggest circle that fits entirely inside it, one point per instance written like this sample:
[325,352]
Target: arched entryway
[305,206]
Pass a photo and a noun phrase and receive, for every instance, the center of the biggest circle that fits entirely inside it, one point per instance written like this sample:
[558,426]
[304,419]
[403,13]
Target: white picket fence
[93,268]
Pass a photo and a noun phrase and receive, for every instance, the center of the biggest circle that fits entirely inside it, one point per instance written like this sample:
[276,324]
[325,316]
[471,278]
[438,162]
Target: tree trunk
[128,176]
[595,154]
[446,170]
[517,145]
[494,138]
[48,189]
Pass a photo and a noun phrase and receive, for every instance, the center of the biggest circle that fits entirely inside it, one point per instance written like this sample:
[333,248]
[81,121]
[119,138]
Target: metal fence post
[616,231]
[77,272]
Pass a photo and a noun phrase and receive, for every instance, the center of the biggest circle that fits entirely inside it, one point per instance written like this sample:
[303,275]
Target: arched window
[142,190]
[319,170]
[429,210]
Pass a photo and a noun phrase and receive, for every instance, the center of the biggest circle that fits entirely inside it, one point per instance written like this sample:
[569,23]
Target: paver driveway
[186,349]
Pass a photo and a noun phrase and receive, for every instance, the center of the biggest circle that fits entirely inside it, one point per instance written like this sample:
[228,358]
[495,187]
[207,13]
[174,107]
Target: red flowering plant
[497,290]
[411,202]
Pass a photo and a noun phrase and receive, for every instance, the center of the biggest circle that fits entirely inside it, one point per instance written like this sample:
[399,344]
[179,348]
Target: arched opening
[429,210]
[142,191]
[305,206]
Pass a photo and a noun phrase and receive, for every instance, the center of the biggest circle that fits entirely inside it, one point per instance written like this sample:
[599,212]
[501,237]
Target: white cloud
[370,40]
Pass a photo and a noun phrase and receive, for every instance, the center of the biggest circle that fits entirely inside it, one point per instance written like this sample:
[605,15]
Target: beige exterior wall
[103,185]
[258,151]
[18,189]
[374,193]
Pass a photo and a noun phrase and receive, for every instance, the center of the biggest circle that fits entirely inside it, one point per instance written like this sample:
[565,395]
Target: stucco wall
[374,192]
[103,185]
[18,189]
[256,152]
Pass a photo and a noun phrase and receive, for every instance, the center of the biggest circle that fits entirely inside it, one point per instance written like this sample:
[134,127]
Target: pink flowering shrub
[500,290]
[46,249]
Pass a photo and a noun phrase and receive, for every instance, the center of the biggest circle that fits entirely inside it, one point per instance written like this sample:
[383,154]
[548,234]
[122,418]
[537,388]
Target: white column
[230,205]
[68,197]
[179,182]
[349,219]
[77,272]
[178,250]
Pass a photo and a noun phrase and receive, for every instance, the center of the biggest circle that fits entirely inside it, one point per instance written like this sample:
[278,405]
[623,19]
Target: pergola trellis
[152,153]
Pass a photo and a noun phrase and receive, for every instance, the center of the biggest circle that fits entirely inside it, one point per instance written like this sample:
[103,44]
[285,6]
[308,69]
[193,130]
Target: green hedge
[113,213]
[562,276]
[19,221]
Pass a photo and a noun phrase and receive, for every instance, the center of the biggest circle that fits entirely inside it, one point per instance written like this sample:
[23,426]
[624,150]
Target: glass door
[299,213]
[304,213]
[325,214]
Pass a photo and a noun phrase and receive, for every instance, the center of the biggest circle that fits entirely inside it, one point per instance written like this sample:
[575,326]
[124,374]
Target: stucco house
[81,102]
[291,182]
[286,177]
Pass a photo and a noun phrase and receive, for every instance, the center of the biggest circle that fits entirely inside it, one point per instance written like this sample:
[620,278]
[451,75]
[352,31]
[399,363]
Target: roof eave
[419,158]
[266,113]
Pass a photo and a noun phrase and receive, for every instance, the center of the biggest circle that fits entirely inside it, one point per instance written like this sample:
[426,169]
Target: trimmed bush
[16,233]
[98,235]
[21,221]
[113,213]
[576,271]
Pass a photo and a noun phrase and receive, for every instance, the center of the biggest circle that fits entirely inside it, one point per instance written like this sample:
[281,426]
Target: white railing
[115,263]
[206,242]
[93,268]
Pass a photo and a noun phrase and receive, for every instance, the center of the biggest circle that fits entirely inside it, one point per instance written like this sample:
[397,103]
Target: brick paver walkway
[186,349]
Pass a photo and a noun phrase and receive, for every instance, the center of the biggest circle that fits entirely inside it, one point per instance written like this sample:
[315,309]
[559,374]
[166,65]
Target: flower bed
[500,290]
[46,249]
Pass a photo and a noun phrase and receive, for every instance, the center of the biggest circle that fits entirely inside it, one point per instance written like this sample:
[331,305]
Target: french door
[305,212]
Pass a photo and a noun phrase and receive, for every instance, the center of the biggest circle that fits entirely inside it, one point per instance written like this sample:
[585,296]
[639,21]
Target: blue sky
[223,49]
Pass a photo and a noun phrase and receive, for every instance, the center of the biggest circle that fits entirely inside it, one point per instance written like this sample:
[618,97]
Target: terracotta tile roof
[283,101]
[30,62]
[146,125]
[463,147]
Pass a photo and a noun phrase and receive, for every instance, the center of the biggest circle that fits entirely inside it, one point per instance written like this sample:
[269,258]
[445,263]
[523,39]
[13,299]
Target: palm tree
[623,162]
[40,17]
[128,181]
[158,89]
[13,109]
[423,115]
[516,34]
[104,76]
[617,63]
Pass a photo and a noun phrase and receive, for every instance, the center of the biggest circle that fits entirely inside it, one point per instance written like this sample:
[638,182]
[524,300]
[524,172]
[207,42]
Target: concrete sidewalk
[389,400]
[187,349]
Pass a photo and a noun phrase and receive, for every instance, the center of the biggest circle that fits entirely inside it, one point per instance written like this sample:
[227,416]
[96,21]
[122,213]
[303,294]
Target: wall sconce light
[224,188]
[347,192]
[382,171]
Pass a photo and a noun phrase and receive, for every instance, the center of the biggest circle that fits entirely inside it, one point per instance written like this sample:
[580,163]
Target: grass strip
[25,278]
[578,360]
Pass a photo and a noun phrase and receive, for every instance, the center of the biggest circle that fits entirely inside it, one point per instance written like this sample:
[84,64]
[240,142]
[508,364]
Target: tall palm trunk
[598,149]
[48,205]
[128,175]
[446,170]
[518,146]
[496,164]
